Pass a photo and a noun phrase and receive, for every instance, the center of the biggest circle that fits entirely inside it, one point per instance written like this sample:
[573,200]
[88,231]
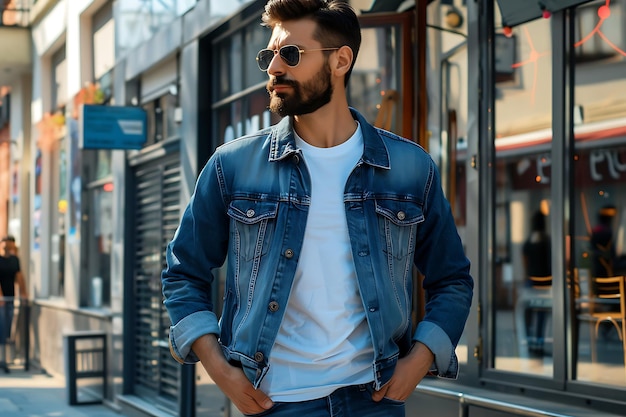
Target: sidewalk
[34,394]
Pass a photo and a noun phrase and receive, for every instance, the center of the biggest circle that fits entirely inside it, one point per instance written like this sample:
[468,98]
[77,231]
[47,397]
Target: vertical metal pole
[71,369]
[26,320]
[187,391]
[421,99]
[463,408]
[561,188]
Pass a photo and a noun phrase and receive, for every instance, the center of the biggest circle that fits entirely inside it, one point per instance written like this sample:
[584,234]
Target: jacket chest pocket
[252,226]
[397,226]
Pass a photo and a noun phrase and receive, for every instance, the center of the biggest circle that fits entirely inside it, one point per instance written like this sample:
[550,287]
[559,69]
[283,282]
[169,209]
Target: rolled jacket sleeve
[446,364]
[187,331]
[198,248]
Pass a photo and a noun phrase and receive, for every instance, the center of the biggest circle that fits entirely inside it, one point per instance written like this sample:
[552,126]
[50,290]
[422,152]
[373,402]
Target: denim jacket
[249,209]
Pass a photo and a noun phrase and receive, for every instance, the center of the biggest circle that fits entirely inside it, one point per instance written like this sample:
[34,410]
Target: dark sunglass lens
[264,58]
[290,54]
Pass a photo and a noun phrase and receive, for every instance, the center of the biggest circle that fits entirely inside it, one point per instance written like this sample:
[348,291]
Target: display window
[557,254]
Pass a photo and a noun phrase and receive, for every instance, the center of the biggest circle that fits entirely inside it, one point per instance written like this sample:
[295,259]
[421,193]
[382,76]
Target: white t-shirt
[324,341]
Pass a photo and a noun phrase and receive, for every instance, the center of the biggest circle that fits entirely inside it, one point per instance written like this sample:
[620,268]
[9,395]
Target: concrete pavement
[35,394]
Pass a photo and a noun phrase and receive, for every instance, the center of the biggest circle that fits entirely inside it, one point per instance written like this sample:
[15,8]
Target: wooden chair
[541,283]
[606,304]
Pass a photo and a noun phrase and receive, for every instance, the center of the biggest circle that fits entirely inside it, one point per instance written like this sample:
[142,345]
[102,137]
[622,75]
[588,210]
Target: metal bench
[86,358]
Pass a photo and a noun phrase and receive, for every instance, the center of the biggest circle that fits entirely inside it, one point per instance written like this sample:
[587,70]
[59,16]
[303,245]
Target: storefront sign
[250,125]
[597,166]
[112,127]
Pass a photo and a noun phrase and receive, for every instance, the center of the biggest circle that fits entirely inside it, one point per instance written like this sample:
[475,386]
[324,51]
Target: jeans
[351,401]
[6,319]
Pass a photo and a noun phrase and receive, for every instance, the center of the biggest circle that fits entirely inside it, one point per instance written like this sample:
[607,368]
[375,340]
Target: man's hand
[408,373]
[230,379]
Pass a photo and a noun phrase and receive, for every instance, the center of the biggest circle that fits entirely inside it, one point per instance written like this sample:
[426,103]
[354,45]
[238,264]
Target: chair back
[541,283]
[608,292]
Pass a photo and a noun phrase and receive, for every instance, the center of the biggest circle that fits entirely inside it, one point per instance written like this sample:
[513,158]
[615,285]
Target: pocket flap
[251,211]
[401,213]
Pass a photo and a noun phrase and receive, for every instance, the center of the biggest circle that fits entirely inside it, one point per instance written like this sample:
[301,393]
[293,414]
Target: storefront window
[161,119]
[599,200]
[138,20]
[235,57]
[375,81]
[381,84]
[522,279]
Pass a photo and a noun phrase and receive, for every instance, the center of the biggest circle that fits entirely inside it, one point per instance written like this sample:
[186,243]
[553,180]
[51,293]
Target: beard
[306,97]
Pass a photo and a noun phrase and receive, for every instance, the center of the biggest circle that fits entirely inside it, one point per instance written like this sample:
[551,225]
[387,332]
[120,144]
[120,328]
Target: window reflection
[374,88]
[136,21]
[523,337]
[599,193]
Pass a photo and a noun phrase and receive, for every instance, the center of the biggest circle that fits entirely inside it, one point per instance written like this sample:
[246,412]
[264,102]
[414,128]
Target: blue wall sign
[112,127]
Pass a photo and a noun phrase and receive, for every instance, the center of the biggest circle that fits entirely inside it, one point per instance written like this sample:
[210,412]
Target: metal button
[250,213]
[273,306]
[401,215]
[296,159]
[259,356]
[289,253]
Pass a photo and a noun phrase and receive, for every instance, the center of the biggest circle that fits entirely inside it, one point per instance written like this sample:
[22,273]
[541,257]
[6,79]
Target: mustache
[280,81]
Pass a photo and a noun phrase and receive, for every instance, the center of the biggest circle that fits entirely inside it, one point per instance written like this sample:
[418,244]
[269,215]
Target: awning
[515,12]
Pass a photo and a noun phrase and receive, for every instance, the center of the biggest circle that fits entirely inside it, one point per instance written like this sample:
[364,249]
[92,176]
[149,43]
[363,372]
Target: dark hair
[337,23]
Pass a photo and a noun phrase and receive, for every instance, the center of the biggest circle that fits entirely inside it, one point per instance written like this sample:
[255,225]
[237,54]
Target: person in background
[321,219]
[537,255]
[601,240]
[10,276]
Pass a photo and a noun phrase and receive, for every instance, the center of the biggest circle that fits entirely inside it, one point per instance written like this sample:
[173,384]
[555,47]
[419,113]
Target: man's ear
[343,61]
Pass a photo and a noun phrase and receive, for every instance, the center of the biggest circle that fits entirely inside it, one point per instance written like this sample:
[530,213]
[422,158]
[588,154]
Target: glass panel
[57,237]
[600,191]
[155,129]
[522,290]
[221,60]
[236,58]
[59,79]
[374,87]
[244,116]
[137,20]
[99,246]
[169,102]
[256,37]
[103,164]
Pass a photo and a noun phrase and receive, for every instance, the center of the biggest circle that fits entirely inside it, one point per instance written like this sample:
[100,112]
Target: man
[10,275]
[320,218]
[602,247]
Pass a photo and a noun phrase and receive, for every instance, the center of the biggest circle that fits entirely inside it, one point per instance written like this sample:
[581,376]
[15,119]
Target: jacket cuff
[187,331]
[446,364]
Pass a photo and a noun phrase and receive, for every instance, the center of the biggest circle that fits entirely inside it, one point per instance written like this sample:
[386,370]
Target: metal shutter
[157,211]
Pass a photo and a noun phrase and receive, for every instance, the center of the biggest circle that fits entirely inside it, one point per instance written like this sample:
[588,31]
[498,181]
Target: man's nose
[277,65]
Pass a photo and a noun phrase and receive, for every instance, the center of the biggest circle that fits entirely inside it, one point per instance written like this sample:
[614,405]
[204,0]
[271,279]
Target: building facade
[522,108]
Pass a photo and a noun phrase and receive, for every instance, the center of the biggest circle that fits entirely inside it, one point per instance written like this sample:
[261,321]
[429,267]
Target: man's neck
[329,126]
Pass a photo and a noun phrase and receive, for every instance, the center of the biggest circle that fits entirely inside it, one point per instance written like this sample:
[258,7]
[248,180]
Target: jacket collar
[283,143]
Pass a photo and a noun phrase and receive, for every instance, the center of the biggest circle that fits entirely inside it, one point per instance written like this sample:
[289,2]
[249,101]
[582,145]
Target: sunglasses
[290,54]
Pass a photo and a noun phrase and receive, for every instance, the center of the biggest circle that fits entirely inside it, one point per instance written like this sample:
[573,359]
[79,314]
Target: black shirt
[538,253]
[9,267]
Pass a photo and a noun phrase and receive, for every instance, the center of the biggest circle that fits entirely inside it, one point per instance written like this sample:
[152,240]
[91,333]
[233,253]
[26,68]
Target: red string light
[604,12]
[533,57]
